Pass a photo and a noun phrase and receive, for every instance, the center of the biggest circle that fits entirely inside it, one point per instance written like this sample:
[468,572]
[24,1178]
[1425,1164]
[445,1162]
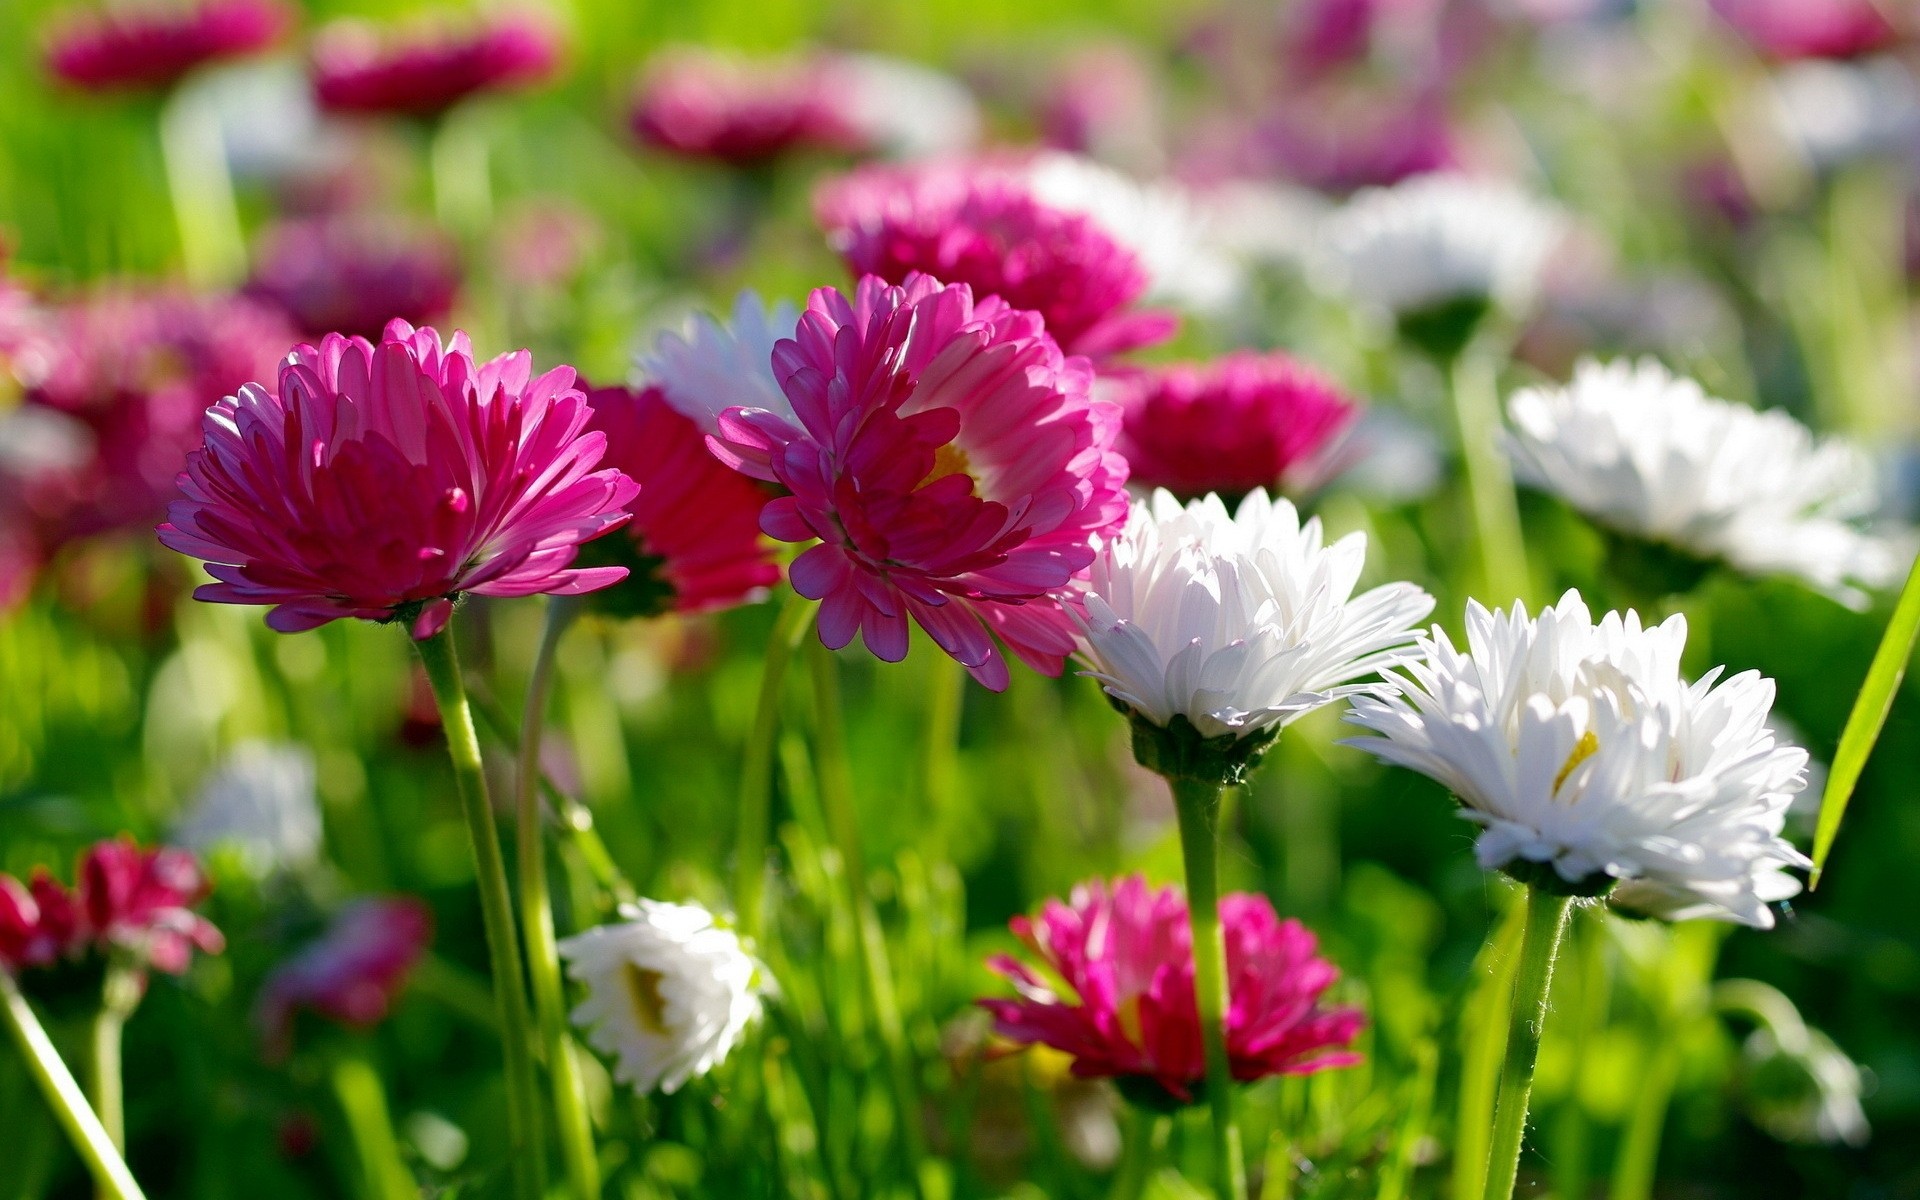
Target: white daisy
[669,992]
[711,366]
[1650,454]
[1835,113]
[906,109]
[1581,746]
[261,801]
[1240,623]
[1436,239]
[1158,221]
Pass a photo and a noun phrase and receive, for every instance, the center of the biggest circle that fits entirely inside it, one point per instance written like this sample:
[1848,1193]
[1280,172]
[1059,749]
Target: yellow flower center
[643,993]
[948,460]
[1585,748]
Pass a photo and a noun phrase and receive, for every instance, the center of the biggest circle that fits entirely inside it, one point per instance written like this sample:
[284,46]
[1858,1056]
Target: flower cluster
[1116,991]
[125,901]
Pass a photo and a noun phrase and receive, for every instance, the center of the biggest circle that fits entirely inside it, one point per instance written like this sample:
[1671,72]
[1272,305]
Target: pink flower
[352,974]
[137,369]
[126,899]
[39,923]
[422,69]
[1241,422]
[352,274]
[142,45]
[980,223]
[1341,140]
[385,481]
[1125,954]
[695,540]
[1794,29]
[699,104]
[951,462]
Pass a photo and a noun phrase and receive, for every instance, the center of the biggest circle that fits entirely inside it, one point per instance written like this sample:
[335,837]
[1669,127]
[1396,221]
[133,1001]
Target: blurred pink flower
[39,923]
[701,104]
[1339,141]
[424,68]
[1245,421]
[695,543]
[385,481]
[351,974]
[1103,100]
[129,44]
[1794,29]
[981,224]
[950,460]
[1125,954]
[352,273]
[126,899]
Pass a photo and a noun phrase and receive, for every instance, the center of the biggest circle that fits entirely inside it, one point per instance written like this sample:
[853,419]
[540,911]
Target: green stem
[106,1081]
[1546,921]
[536,919]
[526,1151]
[940,764]
[756,767]
[212,249]
[363,1101]
[1197,802]
[1496,513]
[63,1095]
[835,774]
[1639,1155]
[1146,1141]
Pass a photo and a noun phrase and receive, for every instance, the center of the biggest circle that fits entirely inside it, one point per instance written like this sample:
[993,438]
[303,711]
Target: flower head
[951,462]
[669,992]
[39,923]
[699,104]
[1241,422]
[694,542]
[983,226]
[1237,623]
[1794,29]
[1124,954]
[1586,757]
[353,274]
[352,974]
[141,901]
[712,366]
[1650,455]
[384,481]
[422,69]
[1366,140]
[121,44]
[261,802]
[899,107]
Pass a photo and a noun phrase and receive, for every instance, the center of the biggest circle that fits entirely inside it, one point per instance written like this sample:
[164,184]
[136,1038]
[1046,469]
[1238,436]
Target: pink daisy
[982,224]
[1127,1010]
[1794,29]
[699,104]
[125,44]
[424,68]
[125,899]
[385,481]
[352,974]
[1245,421]
[695,542]
[949,459]
[352,274]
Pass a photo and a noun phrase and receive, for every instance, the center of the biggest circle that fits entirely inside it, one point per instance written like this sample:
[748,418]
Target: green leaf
[1868,716]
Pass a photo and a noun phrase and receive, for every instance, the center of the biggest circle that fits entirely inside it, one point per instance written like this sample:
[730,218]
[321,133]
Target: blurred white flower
[1438,239]
[1837,112]
[906,109]
[1581,747]
[711,366]
[1157,220]
[261,802]
[1807,1092]
[669,992]
[1264,222]
[1238,622]
[1647,453]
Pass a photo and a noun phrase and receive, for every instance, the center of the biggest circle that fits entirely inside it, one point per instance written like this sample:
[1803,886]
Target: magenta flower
[129,900]
[1795,29]
[1125,956]
[125,45]
[1241,422]
[39,923]
[351,975]
[699,104]
[981,224]
[385,481]
[1339,140]
[695,542]
[352,274]
[422,69]
[949,459]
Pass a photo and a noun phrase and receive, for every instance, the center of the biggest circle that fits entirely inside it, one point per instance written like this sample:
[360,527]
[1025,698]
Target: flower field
[1098,601]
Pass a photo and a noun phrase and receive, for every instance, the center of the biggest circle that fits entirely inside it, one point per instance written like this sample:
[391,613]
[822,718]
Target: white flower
[1439,238]
[1241,622]
[669,992]
[1802,1088]
[1582,746]
[1835,113]
[710,367]
[1647,453]
[261,802]
[906,109]
[1158,221]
